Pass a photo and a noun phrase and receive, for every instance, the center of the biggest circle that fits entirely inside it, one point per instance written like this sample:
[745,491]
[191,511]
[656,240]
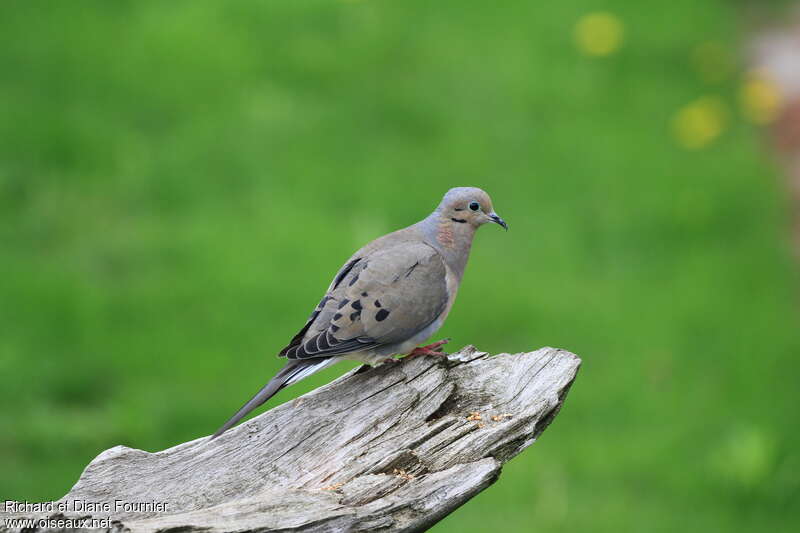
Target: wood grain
[392,448]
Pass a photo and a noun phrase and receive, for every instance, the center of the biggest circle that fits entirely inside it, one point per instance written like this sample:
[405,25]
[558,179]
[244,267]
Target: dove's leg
[429,349]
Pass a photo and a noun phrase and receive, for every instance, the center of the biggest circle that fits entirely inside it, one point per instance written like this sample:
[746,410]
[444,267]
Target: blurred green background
[179,181]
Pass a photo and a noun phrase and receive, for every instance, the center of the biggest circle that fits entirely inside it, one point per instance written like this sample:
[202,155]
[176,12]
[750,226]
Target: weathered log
[393,448]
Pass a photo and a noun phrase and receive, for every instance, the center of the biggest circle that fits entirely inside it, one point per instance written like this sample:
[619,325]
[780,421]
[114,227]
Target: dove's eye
[474,206]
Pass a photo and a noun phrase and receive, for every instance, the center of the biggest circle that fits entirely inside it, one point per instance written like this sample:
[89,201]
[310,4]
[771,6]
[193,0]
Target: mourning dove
[391,295]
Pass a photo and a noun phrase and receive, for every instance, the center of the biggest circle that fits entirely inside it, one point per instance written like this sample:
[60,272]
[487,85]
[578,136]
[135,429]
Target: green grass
[180,180]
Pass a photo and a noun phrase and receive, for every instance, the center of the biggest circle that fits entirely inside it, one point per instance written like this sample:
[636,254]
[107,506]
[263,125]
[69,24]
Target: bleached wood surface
[394,448]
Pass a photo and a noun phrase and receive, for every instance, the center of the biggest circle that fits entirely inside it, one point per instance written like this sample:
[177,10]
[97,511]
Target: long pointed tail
[293,372]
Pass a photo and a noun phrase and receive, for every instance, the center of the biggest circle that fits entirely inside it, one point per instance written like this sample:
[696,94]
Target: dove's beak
[497,220]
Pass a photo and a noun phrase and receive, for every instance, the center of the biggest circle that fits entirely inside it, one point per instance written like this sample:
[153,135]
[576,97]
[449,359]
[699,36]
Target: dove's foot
[428,350]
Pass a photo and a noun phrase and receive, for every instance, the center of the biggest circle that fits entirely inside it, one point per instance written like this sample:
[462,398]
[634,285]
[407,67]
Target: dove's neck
[451,239]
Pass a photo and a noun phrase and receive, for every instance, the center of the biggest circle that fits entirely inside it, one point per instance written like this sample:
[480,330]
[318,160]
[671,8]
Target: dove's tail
[293,372]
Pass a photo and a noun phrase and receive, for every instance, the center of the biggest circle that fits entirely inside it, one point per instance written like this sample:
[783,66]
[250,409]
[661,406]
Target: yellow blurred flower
[599,33]
[760,98]
[699,123]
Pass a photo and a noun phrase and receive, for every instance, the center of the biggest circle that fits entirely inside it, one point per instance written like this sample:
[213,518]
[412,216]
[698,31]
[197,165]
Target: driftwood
[394,448]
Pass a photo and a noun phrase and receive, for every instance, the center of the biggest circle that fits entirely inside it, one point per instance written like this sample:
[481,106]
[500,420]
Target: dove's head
[469,205]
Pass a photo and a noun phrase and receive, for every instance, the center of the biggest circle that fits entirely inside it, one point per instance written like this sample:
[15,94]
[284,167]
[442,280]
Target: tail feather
[293,372]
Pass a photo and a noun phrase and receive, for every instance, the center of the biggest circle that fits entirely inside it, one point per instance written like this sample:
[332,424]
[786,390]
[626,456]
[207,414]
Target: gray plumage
[391,295]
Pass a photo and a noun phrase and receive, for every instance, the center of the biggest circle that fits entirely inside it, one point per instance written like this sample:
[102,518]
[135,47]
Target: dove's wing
[383,297]
[380,297]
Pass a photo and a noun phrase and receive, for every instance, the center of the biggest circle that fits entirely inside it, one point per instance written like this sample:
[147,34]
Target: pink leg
[428,350]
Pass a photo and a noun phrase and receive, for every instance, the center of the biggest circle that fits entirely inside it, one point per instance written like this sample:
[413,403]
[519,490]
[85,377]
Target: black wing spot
[345,271]
[354,315]
[381,315]
[408,272]
[377,303]
[343,303]
[319,307]
[357,305]
[364,294]
[353,281]
[334,328]
[337,316]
